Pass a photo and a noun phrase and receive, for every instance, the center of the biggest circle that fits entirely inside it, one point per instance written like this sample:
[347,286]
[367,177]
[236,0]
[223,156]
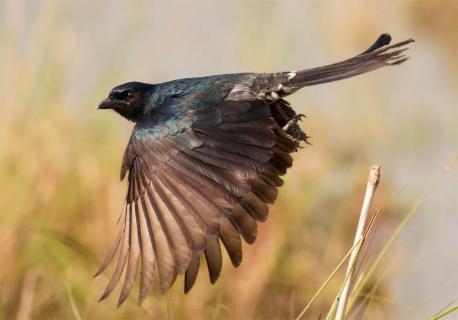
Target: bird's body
[204,160]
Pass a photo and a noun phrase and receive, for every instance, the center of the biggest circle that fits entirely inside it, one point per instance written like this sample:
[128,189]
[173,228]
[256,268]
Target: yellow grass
[60,193]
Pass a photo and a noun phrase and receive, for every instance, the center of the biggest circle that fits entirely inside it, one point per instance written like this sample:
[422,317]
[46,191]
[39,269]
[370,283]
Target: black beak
[106,104]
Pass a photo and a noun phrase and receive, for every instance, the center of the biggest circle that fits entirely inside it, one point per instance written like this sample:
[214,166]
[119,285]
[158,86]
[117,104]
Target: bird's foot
[294,131]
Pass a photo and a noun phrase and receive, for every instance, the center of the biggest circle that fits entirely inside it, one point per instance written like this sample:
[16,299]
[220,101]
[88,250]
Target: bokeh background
[60,158]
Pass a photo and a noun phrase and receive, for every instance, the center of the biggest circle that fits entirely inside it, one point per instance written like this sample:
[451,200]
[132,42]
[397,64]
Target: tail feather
[373,58]
[273,86]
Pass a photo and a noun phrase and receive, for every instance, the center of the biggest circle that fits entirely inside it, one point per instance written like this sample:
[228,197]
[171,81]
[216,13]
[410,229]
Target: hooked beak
[106,104]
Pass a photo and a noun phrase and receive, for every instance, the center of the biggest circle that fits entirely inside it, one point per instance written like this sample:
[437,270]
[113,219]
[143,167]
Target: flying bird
[204,160]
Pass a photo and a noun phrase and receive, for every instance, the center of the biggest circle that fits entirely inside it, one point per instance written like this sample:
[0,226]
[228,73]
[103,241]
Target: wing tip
[236,260]
[143,293]
[187,288]
[214,277]
[105,295]
[97,273]
[122,298]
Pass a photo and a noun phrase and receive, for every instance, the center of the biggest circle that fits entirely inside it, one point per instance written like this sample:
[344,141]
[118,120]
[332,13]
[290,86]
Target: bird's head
[128,99]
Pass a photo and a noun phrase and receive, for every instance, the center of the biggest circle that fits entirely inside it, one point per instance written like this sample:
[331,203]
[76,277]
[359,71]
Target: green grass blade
[445,312]
[73,306]
[323,286]
[358,247]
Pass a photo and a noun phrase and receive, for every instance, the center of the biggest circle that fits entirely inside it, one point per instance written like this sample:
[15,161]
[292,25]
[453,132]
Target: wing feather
[147,250]
[166,259]
[112,251]
[120,263]
[216,196]
[244,223]
[214,258]
[235,184]
[259,154]
[192,224]
[134,255]
[192,187]
[264,191]
[191,274]
[254,206]
[229,161]
[193,217]
[173,227]
[231,241]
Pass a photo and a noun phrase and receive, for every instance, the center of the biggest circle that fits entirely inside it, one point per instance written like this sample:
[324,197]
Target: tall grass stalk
[372,183]
[401,226]
[374,177]
[333,308]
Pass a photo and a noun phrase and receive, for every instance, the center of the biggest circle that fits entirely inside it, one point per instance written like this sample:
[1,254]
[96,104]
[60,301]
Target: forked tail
[378,55]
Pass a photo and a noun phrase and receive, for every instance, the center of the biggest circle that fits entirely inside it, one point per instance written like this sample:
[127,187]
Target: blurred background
[60,194]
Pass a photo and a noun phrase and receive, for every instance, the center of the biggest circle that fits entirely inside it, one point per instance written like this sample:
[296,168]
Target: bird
[205,160]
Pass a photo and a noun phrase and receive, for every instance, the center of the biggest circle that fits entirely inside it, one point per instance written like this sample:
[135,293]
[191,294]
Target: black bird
[204,160]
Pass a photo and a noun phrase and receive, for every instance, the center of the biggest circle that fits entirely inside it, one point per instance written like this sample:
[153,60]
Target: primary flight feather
[204,161]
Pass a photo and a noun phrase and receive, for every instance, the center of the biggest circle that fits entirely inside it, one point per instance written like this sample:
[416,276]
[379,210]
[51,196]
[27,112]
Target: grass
[357,245]
[444,313]
[367,275]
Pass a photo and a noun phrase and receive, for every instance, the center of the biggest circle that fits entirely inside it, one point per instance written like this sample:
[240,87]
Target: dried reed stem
[24,310]
[372,183]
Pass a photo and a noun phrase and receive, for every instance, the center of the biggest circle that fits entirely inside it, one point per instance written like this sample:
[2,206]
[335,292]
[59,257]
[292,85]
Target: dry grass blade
[27,296]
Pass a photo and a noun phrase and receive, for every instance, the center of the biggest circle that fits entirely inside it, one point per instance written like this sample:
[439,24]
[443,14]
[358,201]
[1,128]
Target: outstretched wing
[203,170]
[196,180]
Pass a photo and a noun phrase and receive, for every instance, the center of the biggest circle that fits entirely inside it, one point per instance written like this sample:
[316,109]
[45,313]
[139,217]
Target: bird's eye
[129,94]
[122,95]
